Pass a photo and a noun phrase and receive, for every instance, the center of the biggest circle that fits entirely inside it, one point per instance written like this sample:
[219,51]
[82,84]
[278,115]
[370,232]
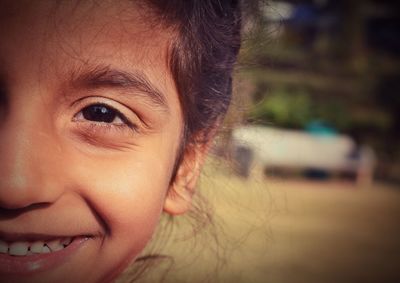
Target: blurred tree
[285,108]
[335,61]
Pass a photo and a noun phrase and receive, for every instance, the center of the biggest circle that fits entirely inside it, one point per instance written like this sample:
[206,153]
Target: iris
[99,113]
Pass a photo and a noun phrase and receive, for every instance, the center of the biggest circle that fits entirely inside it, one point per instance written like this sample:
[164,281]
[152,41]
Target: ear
[182,189]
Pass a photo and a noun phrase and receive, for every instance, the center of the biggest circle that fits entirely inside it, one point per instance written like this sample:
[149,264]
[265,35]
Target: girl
[107,111]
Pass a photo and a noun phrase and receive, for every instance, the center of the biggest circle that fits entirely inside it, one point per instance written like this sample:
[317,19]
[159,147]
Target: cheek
[126,191]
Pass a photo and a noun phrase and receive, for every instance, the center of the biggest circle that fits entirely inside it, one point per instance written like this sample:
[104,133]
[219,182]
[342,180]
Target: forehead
[87,23]
[56,37]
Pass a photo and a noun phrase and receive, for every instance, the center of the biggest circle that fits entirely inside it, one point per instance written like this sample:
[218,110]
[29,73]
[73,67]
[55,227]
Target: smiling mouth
[26,248]
[21,254]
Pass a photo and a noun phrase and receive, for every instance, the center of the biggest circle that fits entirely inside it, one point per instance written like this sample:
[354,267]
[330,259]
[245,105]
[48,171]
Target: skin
[64,175]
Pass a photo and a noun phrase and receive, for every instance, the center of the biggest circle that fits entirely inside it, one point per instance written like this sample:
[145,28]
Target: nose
[27,162]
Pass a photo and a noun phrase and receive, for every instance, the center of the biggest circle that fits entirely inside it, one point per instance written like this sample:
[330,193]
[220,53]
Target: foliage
[343,73]
[297,108]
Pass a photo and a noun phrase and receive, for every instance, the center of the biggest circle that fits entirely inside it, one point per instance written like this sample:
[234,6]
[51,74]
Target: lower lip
[39,262]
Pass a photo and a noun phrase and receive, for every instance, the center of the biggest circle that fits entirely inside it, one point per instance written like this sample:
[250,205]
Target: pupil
[99,113]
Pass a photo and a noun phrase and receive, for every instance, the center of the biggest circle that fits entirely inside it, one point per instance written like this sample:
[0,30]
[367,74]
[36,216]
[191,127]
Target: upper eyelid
[96,100]
[134,83]
[102,98]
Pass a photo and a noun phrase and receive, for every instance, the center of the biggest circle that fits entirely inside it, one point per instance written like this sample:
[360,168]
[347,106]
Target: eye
[104,122]
[107,124]
[101,113]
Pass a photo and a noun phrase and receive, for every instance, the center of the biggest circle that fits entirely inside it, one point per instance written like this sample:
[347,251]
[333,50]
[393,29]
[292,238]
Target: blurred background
[304,184]
[328,66]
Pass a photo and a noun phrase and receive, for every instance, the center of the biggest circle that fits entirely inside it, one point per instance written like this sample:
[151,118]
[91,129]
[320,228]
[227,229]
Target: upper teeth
[29,248]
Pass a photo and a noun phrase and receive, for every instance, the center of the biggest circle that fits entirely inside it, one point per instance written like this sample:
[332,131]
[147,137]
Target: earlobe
[180,193]
[178,199]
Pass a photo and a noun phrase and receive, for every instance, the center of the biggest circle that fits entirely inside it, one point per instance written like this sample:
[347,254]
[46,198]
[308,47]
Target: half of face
[90,130]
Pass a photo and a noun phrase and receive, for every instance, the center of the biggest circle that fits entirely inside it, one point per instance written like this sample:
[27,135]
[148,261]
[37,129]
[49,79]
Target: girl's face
[89,133]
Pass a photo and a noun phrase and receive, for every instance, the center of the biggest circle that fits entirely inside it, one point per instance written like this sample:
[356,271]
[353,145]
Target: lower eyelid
[100,137]
[100,130]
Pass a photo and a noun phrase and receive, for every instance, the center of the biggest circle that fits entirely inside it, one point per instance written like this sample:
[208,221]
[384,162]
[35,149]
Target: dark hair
[201,60]
[202,57]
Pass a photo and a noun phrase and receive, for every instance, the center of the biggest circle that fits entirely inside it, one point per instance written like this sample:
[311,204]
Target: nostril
[7,213]
[3,100]
[10,212]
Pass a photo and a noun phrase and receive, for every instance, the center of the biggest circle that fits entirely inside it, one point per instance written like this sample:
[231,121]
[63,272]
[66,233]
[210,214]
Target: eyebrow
[133,81]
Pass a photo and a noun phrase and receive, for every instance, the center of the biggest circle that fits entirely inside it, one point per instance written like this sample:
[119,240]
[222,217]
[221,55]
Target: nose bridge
[26,158]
